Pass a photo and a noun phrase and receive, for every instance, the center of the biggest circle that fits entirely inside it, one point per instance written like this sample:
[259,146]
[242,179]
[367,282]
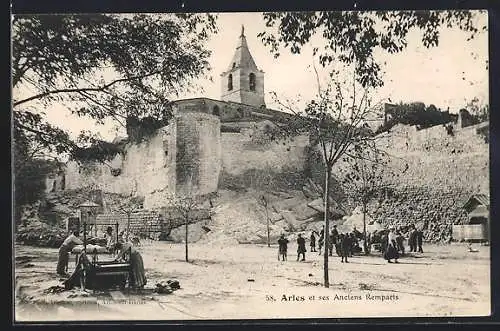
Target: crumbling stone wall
[433,158]
[437,171]
[248,150]
[145,170]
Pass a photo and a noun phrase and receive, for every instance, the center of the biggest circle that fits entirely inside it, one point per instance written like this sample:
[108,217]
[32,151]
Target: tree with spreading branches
[102,66]
[98,66]
[353,37]
[365,177]
[338,121]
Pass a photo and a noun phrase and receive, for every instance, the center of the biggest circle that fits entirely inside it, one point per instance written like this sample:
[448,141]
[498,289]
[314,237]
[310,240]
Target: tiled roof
[481,198]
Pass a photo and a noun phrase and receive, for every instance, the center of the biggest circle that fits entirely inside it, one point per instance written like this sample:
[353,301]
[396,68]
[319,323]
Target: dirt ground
[248,281]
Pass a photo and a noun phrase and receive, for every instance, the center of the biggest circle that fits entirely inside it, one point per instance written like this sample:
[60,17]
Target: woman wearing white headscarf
[391,251]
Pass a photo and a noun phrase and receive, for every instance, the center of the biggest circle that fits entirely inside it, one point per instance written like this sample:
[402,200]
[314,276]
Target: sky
[447,76]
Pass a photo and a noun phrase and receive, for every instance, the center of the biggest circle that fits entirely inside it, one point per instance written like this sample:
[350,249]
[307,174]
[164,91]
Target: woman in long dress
[137,274]
[391,251]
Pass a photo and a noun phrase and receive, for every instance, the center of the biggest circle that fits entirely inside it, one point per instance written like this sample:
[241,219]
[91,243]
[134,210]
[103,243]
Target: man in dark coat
[345,246]
[354,248]
[313,242]
[301,248]
[283,247]
[412,239]
[330,244]
[420,239]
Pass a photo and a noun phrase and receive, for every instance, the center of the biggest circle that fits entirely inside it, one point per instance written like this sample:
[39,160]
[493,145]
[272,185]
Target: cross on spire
[242,30]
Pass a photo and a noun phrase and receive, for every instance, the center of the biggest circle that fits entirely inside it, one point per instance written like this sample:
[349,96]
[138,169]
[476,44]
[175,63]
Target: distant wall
[443,172]
[250,149]
[193,153]
[437,159]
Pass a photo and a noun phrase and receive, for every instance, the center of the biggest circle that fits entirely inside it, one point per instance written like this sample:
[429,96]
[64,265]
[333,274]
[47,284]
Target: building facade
[206,139]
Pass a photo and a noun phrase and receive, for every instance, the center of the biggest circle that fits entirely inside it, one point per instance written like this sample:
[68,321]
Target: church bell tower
[243,82]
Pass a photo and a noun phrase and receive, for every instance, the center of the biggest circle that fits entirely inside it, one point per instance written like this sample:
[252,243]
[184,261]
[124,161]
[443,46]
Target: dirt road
[248,281]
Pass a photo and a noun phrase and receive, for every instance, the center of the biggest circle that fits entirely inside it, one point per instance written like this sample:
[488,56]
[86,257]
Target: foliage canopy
[102,66]
[352,37]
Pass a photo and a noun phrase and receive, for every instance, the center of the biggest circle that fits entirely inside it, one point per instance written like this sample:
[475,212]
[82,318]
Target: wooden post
[84,236]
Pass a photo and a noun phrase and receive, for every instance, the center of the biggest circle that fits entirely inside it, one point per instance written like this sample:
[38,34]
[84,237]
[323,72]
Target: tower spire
[243,82]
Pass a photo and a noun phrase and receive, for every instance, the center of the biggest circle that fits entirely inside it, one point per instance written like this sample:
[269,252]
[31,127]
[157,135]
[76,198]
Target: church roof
[242,56]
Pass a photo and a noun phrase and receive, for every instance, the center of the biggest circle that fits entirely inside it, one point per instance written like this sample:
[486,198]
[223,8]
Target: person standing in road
[313,242]
[412,239]
[321,239]
[345,247]
[301,248]
[420,239]
[391,251]
[283,247]
[333,239]
[400,242]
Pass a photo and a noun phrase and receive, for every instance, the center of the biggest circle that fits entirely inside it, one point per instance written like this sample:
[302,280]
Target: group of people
[122,251]
[413,235]
[415,239]
[283,248]
[347,244]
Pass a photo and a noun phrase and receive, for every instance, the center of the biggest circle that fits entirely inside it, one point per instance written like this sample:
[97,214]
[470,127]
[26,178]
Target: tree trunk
[186,239]
[268,230]
[327,223]
[365,243]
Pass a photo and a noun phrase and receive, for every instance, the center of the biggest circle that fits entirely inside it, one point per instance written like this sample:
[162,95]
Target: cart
[90,273]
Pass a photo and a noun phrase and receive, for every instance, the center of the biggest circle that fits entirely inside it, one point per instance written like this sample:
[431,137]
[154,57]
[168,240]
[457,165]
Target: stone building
[477,226]
[205,139]
[209,145]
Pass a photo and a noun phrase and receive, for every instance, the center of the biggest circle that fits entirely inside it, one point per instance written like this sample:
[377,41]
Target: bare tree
[185,206]
[264,203]
[365,177]
[337,123]
[129,206]
[185,203]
